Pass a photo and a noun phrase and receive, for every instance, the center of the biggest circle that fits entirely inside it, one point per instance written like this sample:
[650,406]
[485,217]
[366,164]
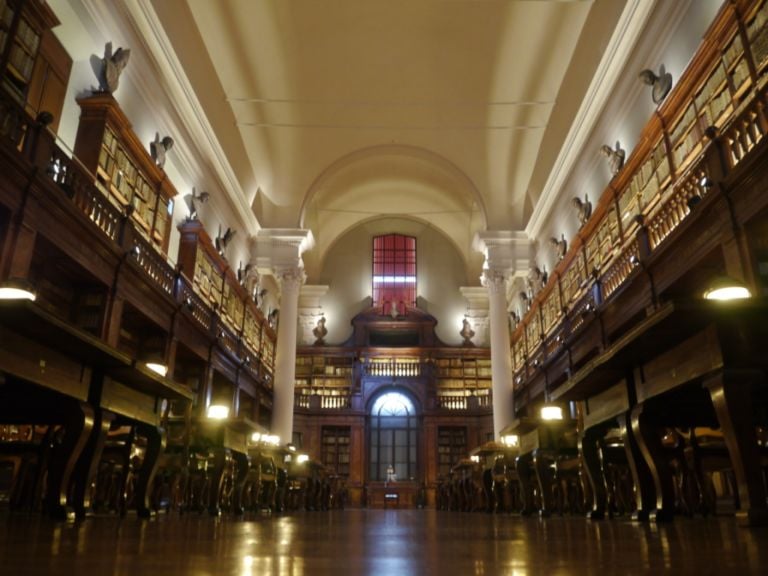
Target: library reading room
[383,287]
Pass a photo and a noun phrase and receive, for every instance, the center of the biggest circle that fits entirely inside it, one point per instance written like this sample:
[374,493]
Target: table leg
[646,432]
[730,393]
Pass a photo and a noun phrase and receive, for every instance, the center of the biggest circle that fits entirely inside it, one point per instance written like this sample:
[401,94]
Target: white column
[506,254]
[501,359]
[290,280]
[278,251]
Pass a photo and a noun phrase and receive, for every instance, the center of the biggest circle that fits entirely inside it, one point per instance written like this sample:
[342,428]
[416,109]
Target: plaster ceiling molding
[476,297]
[644,36]
[303,97]
[199,155]
[393,181]
[311,295]
[628,32]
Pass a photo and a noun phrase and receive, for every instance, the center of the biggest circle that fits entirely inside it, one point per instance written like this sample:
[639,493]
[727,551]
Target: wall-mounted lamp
[17,289]
[218,412]
[550,412]
[726,288]
[271,439]
[510,440]
[157,368]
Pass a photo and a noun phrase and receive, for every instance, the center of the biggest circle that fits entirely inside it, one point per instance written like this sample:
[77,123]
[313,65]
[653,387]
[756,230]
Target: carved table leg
[645,492]
[77,428]
[217,480]
[645,430]
[732,401]
[243,465]
[588,446]
[543,465]
[524,471]
[88,464]
[156,439]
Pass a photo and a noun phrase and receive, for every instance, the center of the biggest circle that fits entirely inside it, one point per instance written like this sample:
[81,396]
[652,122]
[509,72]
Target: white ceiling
[334,112]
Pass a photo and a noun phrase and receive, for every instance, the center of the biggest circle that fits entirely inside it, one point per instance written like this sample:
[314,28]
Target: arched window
[394,272]
[393,438]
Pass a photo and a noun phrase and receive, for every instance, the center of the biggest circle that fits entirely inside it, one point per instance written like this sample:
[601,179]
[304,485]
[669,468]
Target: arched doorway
[393,438]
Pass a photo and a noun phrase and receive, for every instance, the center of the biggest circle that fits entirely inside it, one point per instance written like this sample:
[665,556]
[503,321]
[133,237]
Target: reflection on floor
[377,542]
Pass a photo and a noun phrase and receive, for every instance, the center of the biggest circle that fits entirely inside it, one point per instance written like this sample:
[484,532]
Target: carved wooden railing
[32,139]
[447,402]
[155,267]
[710,122]
[198,308]
[394,368]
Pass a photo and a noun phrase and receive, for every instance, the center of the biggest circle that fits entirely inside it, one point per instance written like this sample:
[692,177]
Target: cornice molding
[628,32]
[168,72]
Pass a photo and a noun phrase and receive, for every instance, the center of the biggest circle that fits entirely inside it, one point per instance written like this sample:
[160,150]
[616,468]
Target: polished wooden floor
[377,542]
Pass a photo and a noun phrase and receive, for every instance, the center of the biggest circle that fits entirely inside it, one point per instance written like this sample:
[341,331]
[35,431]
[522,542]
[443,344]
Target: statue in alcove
[466,332]
[320,331]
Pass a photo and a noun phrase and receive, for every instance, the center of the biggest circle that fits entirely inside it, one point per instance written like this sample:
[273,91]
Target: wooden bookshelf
[123,169]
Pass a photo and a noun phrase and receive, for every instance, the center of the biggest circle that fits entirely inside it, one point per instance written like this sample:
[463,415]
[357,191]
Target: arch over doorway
[393,437]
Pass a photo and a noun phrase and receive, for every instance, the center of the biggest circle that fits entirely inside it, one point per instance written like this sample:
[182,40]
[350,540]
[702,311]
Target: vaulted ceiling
[334,112]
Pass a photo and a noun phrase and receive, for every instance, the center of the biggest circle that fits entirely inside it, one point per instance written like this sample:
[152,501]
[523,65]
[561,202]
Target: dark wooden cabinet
[122,168]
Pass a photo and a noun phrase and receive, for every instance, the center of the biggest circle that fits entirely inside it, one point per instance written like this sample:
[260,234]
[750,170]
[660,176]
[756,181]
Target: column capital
[290,278]
[277,248]
[505,251]
[495,280]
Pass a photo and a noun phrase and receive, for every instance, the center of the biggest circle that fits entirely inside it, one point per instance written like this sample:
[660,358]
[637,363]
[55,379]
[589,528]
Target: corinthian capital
[291,279]
[495,280]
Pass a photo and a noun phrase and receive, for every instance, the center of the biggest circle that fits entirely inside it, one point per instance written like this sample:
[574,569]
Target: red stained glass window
[394,272]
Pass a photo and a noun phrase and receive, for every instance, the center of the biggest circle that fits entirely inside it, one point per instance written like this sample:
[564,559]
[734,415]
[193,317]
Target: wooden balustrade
[393,368]
[718,104]
[199,309]
[155,266]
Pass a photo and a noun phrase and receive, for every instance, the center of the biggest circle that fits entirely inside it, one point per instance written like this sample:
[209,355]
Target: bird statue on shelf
[192,200]
[583,209]
[273,318]
[537,279]
[560,246]
[112,66]
[158,149]
[242,273]
[660,84]
[615,157]
[223,240]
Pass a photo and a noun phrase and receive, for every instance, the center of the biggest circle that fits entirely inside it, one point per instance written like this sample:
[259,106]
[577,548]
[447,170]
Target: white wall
[625,115]
[83,39]
[347,270]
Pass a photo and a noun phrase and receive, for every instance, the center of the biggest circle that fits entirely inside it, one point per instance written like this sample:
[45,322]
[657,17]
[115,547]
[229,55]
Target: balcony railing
[40,148]
[393,368]
[707,126]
